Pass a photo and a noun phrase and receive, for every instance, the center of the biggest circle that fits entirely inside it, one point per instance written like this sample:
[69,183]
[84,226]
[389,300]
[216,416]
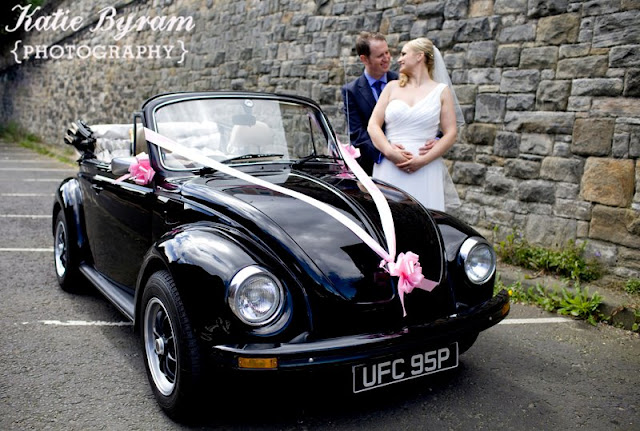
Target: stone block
[592,136]
[537,191]
[429,8]
[585,67]
[507,144]
[632,83]
[617,29]
[574,50]
[544,57]
[600,7]
[615,107]
[615,225]
[455,9]
[561,169]
[608,181]
[597,87]
[553,95]
[536,144]
[620,146]
[540,122]
[490,108]
[550,231]
[474,29]
[519,81]
[521,102]
[624,56]
[466,93]
[572,209]
[498,185]
[562,149]
[480,134]
[480,8]
[461,152]
[538,8]
[481,54]
[517,33]
[504,7]
[567,191]
[508,56]
[579,104]
[634,143]
[523,169]
[483,76]
[468,173]
[558,29]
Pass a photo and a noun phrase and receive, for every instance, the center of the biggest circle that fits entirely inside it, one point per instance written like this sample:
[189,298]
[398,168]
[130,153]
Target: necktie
[377,86]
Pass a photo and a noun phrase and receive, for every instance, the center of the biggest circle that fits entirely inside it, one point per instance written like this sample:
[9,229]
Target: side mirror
[120,165]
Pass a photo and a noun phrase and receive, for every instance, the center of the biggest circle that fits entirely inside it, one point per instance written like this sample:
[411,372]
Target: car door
[118,221]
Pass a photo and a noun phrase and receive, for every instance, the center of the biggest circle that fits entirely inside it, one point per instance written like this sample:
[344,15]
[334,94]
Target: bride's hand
[411,165]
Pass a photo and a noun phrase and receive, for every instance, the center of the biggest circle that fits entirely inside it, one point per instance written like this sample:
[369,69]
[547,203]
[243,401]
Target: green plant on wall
[566,262]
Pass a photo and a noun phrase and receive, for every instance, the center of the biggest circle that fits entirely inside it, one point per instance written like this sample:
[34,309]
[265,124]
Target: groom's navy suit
[359,103]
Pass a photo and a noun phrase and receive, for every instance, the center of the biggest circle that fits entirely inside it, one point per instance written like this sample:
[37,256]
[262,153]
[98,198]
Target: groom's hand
[405,153]
[427,146]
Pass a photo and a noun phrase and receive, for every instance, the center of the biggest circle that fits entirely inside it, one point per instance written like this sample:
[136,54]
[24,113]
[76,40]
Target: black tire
[66,256]
[170,349]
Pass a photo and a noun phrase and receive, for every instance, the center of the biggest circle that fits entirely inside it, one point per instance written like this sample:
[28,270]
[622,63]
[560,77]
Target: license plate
[403,367]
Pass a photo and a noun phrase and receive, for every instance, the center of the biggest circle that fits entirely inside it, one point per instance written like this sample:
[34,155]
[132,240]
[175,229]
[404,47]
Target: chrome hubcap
[60,249]
[160,346]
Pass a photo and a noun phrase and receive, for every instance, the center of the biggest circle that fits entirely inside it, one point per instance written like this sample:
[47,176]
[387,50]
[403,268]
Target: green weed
[577,302]
[567,262]
[632,286]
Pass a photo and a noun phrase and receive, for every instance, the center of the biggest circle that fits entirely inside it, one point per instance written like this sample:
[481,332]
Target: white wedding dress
[412,127]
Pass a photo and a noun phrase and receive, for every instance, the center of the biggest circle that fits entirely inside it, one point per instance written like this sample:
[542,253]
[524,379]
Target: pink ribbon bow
[354,153]
[409,272]
[141,172]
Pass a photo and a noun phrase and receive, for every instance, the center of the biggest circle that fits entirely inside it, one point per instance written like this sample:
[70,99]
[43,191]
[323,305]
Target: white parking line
[80,323]
[27,250]
[535,320]
[26,195]
[24,216]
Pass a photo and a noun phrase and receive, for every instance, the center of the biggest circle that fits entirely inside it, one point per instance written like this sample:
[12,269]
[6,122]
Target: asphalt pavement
[72,362]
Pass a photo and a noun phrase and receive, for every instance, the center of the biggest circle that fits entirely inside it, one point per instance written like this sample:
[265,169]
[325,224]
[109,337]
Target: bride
[413,110]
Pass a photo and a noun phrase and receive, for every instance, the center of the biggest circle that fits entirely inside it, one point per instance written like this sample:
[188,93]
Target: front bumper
[358,348]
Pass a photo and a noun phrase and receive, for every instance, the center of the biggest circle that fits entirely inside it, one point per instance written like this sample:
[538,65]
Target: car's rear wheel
[66,255]
[171,351]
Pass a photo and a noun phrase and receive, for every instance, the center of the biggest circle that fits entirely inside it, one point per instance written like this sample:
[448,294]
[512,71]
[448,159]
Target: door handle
[97,188]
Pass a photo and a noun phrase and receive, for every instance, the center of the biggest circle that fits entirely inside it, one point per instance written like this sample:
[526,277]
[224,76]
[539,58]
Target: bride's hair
[425,46]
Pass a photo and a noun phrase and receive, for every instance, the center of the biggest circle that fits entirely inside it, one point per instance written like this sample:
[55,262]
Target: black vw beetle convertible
[222,273]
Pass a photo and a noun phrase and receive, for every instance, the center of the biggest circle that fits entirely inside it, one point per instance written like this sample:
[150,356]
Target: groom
[360,96]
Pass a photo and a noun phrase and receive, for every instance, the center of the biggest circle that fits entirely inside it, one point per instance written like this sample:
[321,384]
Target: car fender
[202,258]
[68,198]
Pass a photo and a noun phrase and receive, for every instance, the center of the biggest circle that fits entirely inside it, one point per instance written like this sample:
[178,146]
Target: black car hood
[350,268]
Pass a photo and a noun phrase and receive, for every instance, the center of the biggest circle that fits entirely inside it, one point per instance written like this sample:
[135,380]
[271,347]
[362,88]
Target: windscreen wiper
[312,157]
[252,156]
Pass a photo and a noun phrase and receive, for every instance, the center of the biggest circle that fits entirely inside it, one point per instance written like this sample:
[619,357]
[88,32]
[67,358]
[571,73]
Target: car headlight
[479,260]
[255,296]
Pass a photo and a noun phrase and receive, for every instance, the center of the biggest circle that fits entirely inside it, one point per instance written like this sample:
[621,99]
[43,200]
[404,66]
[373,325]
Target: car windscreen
[241,130]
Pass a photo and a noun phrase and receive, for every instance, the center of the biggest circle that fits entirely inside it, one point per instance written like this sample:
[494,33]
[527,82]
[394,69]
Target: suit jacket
[359,103]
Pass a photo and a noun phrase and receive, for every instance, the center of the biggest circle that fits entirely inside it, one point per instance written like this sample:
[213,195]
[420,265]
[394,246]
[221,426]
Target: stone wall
[550,90]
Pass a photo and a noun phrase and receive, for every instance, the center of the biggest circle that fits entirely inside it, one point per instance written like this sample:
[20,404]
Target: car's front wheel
[65,255]
[171,351]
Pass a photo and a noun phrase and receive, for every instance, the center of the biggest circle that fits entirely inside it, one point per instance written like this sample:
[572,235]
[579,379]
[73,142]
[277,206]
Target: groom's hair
[363,40]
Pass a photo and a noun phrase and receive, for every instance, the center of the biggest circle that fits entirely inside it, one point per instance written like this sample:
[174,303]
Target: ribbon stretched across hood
[406,267]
